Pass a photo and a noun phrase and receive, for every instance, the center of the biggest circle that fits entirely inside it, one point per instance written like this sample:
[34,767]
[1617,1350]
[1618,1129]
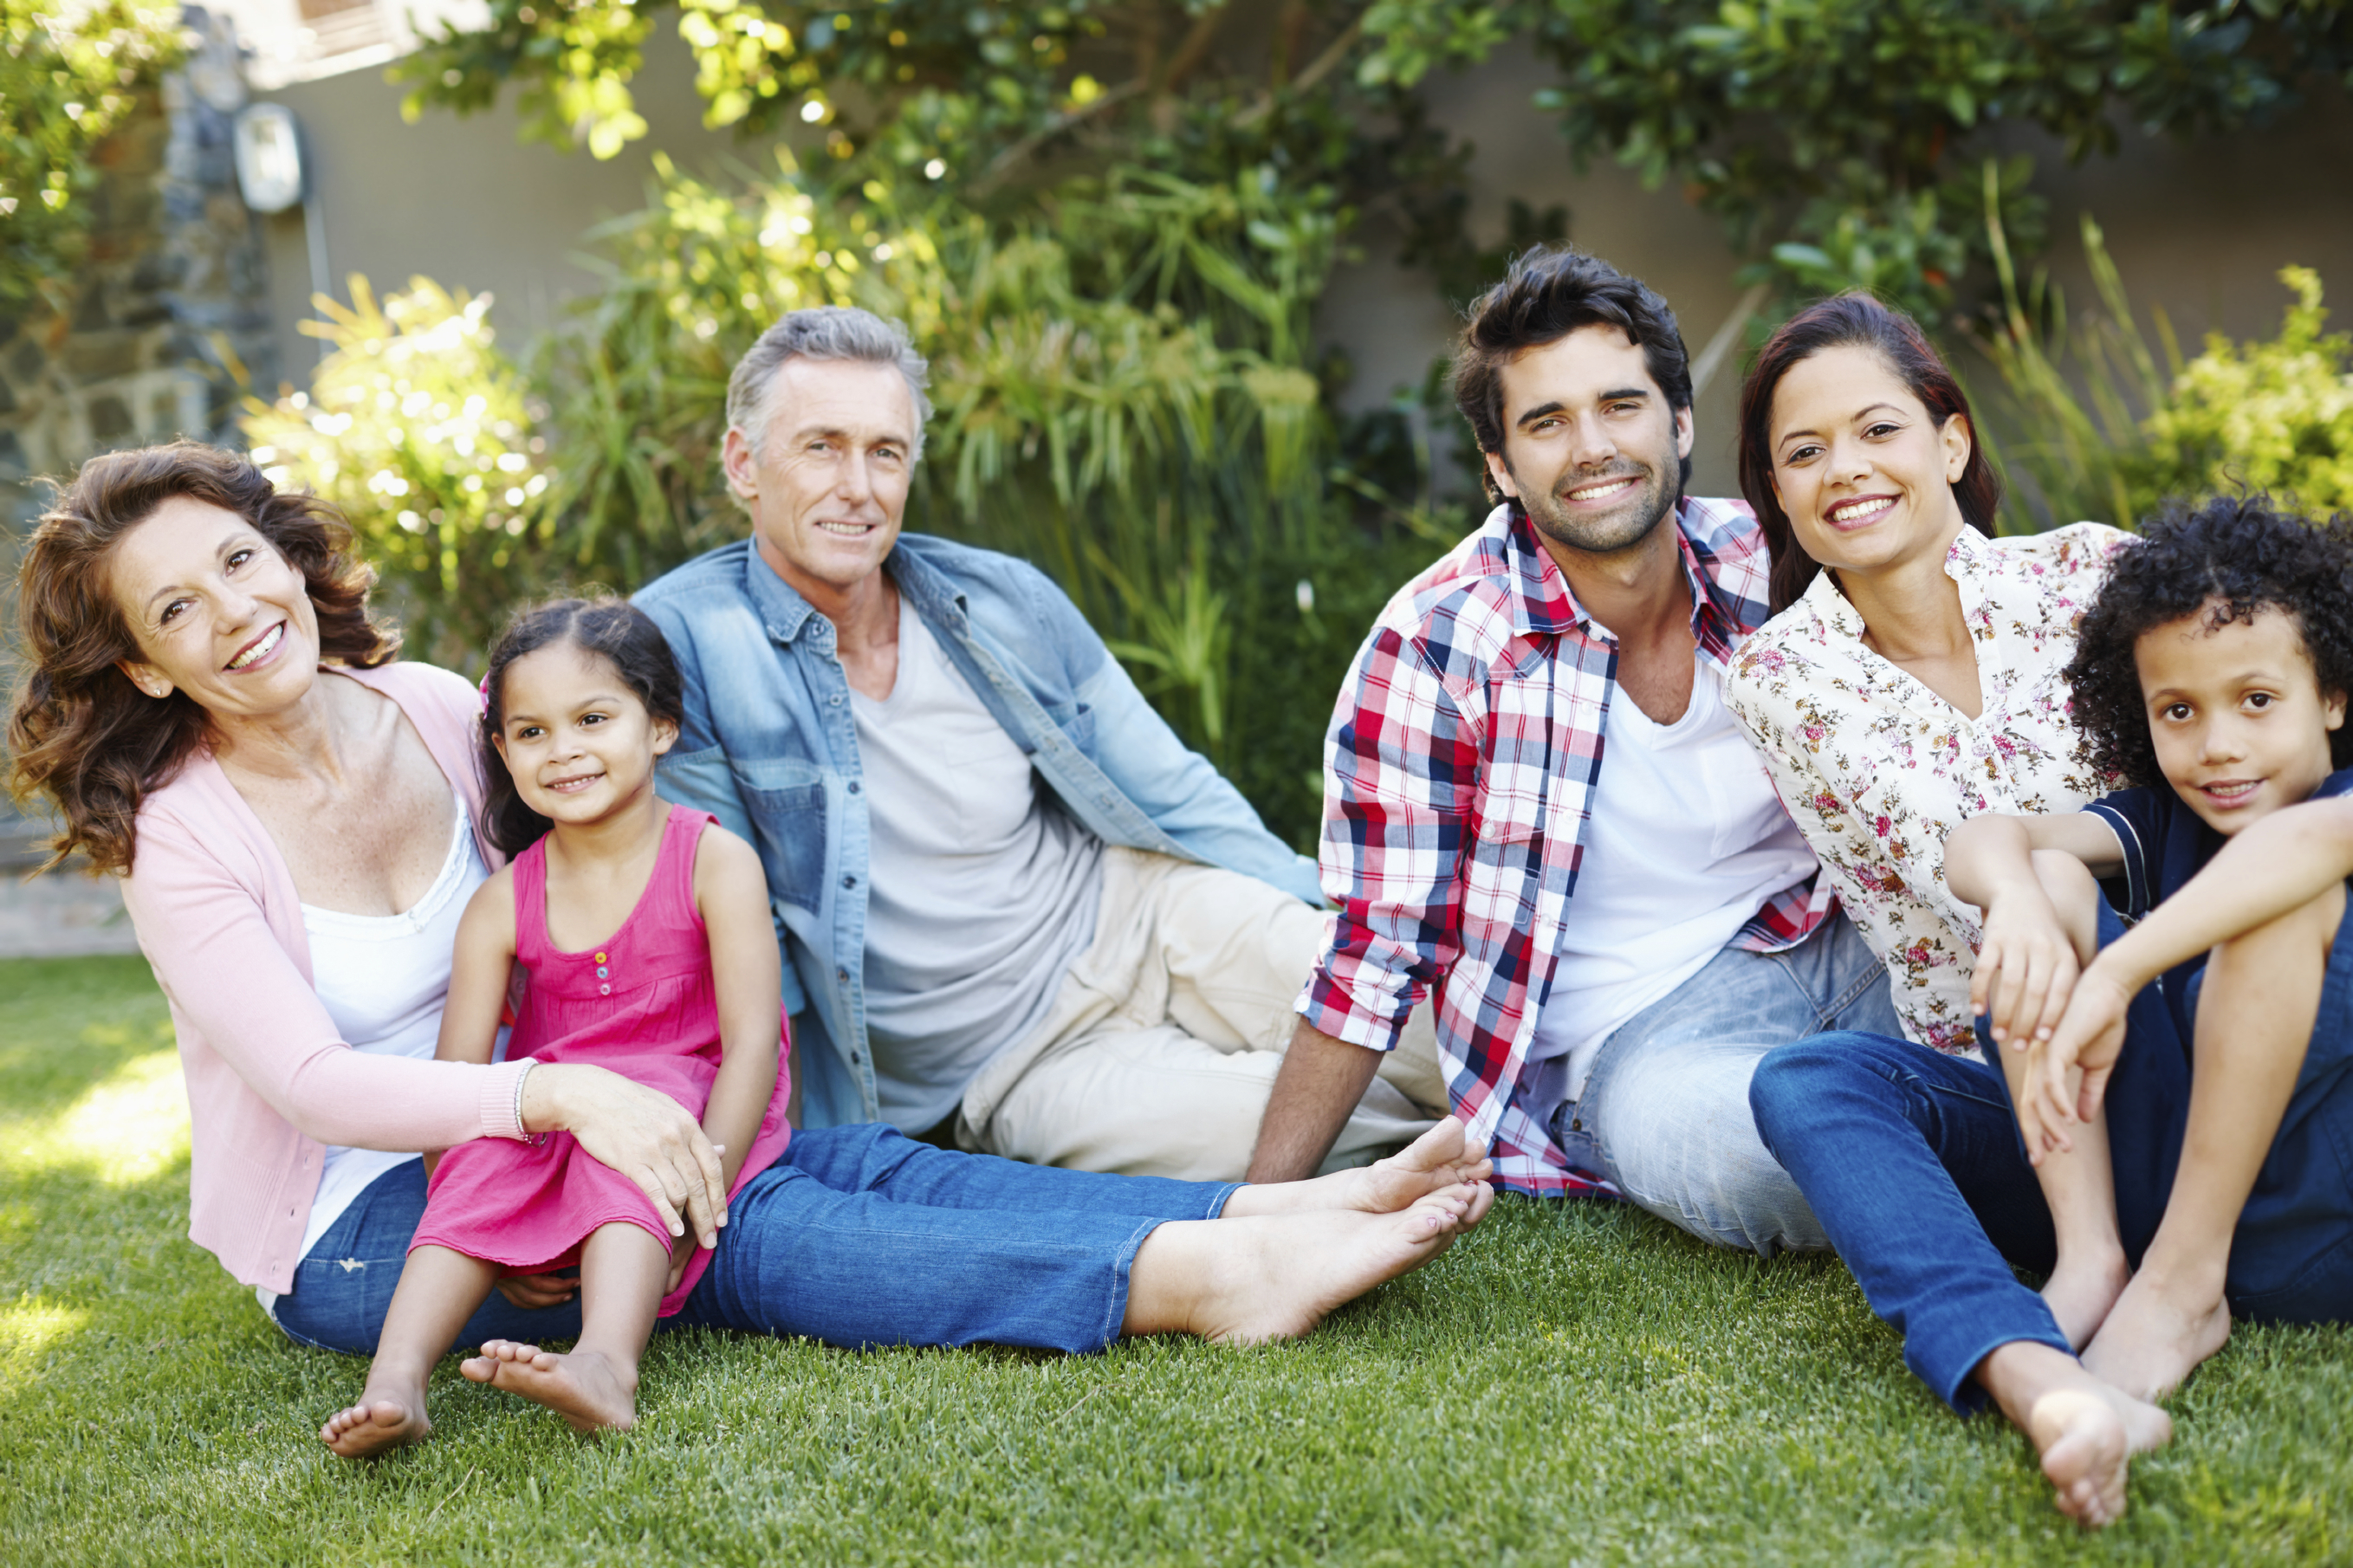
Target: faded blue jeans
[1664,1113]
[857,1236]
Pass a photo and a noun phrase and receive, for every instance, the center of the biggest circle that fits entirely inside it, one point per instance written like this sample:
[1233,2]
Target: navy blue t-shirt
[2166,844]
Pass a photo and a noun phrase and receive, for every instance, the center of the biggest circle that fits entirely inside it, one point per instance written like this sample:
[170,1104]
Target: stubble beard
[1614,532]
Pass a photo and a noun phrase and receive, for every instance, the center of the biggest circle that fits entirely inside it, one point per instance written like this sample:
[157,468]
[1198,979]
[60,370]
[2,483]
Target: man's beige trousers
[1164,1041]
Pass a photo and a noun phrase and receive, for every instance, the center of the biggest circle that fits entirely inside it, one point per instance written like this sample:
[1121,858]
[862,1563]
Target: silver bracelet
[522,1132]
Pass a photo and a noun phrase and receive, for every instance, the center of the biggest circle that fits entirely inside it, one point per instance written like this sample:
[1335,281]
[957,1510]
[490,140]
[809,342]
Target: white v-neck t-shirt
[1687,840]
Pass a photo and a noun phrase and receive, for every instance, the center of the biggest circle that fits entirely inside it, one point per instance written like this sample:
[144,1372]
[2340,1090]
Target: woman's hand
[2026,967]
[641,1132]
[2067,1076]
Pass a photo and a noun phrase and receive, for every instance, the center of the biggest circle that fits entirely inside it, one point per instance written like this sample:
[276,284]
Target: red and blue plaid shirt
[1458,774]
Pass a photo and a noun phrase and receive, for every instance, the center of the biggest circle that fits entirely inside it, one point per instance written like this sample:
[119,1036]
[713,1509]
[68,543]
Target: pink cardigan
[270,1081]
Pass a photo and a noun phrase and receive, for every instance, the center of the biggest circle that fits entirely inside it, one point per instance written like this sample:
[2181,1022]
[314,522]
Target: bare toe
[2086,1452]
[373,1426]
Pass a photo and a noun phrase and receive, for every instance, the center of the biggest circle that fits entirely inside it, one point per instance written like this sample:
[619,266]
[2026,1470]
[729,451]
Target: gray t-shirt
[981,890]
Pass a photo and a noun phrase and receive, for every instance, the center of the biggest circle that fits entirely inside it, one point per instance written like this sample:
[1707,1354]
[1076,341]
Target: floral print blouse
[1877,769]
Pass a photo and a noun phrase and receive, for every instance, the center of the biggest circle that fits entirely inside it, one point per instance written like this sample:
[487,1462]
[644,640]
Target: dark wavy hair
[1852,320]
[2224,560]
[79,730]
[1547,293]
[613,629]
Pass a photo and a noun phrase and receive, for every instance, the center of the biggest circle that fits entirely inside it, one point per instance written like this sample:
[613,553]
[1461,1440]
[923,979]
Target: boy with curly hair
[2180,1051]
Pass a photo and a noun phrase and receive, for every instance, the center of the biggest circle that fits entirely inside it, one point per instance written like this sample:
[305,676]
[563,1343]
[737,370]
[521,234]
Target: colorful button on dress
[644,1006]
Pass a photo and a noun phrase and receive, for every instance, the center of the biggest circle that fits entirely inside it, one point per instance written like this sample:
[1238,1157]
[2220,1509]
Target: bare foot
[2084,1452]
[1275,1277]
[392,1416]
[2081,1292]
[2155,1336]
[2084,1431]
[1438,1159]
[588,1388]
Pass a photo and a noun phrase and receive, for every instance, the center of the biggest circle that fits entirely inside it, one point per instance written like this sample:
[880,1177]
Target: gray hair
[822,332]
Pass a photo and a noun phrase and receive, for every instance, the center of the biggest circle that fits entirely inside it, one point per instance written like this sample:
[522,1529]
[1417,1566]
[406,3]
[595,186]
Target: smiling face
[2236,715]
[215,612]
[1864,470]
[828,484]
[1590,446]
[576,738]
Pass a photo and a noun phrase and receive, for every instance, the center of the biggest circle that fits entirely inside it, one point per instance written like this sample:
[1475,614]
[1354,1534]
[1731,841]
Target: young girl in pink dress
[645,934]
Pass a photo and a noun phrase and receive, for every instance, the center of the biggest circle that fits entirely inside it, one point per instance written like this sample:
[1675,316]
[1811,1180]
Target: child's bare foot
[2084,1431]
[2156,1333]
[1276,1277]
[383,1418]
[2085,1454]
[588,1388]
[1438,1159]
[2081,1290]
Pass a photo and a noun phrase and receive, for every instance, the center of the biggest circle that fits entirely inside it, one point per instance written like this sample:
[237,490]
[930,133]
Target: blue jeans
[857,1236]
[1913,1160]
[1664,1112]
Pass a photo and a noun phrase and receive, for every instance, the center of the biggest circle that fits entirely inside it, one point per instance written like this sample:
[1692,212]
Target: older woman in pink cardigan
[218,719]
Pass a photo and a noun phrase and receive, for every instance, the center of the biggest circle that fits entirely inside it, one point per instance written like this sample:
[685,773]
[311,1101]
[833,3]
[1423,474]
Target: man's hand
[2067,1076]
[681,1251]
[1321,1081]
[2026,967]
[532,1292]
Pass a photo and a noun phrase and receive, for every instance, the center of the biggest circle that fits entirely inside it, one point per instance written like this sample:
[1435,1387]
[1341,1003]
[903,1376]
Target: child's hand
[2067,1077]
[2025,971]
[679,1251]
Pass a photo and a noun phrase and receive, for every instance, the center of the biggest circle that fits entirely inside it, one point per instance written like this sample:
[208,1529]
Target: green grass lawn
[1575,1384]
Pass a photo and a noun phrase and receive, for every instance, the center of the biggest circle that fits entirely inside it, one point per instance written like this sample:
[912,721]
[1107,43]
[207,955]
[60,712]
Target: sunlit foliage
[68,75]
[421,431]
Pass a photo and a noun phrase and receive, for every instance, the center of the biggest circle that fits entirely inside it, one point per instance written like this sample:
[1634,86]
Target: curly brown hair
[2224,559]
[79,730]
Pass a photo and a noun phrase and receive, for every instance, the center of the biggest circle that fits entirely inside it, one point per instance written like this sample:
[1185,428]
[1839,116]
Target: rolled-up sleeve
[1400,778]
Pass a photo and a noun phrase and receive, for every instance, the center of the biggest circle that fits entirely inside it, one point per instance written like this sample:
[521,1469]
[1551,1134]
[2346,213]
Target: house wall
[2199,230]
[464,201]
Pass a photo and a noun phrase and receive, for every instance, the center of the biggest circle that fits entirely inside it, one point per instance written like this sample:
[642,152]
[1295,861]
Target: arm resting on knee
[1321,1081]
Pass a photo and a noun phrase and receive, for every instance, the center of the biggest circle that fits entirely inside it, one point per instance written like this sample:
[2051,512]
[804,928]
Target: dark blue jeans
[1912,1161]
[857,1236]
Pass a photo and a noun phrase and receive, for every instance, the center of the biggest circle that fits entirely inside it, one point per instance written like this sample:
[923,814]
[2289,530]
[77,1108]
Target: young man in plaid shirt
[1537,804]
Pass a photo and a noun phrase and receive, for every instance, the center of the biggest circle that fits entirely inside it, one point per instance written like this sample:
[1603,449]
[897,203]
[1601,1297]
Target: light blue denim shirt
[769,747]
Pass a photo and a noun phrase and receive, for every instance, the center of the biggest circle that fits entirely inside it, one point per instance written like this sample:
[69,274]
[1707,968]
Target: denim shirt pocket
[1076,720]
[785,801]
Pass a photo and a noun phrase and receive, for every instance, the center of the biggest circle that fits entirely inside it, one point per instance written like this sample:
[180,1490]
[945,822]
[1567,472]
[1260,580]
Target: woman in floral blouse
[1913,678]
[1918,682]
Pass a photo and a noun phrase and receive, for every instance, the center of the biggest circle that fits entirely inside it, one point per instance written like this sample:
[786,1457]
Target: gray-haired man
[1014,908]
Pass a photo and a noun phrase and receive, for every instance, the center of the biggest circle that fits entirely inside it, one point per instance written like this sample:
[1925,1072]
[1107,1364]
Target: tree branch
[1321,65]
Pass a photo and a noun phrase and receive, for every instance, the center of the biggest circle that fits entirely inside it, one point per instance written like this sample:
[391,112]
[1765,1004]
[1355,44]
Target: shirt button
[604,991]
[842,975]
[835,699]
[853,787]
[850,881]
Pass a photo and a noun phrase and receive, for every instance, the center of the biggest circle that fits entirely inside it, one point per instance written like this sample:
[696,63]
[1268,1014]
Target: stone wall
[152,338]
[170,310]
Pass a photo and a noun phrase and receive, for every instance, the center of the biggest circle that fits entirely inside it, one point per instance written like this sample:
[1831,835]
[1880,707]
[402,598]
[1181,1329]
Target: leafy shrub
[2104,425]
[422,432]
[69,74]
[2273,415]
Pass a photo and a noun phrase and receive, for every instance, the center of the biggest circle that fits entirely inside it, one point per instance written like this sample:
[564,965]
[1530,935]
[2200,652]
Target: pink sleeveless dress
[642,1005]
